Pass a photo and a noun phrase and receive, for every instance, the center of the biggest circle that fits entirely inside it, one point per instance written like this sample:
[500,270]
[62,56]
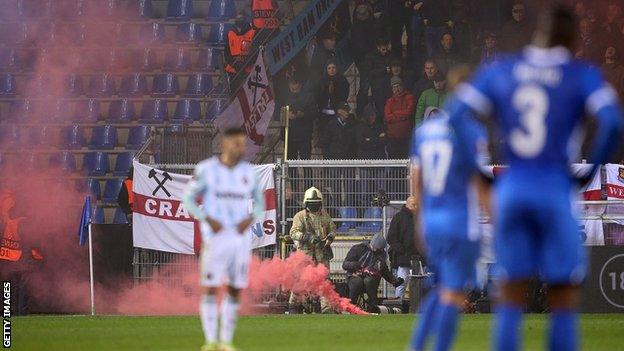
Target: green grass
[281,332]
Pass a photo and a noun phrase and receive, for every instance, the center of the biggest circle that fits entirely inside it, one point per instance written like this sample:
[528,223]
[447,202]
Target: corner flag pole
[91,271]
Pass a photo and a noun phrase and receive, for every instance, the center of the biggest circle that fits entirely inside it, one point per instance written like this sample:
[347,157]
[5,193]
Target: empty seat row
[74,34]
[145,60]
[93,163]
[362,227]
[104,85]
[121,111]
[110,9]
[111,189]
[13,137]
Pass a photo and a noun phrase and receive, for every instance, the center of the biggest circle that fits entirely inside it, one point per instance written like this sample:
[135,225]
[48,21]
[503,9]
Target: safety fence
[362,196]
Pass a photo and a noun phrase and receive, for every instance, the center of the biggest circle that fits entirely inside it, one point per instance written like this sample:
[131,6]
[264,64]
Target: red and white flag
[252,108]
[160,221]
[591,192]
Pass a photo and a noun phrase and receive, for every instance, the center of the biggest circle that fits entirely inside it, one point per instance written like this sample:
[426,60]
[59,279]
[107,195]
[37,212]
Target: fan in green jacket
[433,97]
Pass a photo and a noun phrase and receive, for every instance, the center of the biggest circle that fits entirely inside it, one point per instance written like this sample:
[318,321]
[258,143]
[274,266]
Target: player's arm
[192,196]
[602,102]
[258,207]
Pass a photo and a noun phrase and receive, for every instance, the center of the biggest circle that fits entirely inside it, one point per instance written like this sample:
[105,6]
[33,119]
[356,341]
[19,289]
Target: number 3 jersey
[538,98]
[449,201]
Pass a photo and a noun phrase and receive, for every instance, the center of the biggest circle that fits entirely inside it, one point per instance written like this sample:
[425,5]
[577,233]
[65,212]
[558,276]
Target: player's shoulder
[204,165]
[435,127]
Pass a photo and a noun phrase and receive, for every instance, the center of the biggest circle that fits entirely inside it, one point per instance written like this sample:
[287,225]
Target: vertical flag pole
[287,109]
[91,271]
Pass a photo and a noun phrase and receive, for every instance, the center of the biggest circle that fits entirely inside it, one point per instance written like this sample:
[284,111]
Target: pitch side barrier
[362,196]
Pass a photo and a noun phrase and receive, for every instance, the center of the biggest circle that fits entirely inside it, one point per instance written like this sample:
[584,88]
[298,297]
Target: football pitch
[281,332]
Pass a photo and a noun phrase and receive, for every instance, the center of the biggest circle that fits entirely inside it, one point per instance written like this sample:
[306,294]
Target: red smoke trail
[298,274]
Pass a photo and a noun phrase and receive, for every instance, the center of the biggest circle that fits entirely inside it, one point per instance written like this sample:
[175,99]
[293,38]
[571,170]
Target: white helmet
[313,199]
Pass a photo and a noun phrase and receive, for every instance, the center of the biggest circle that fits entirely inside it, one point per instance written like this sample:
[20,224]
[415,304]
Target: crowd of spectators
[403,50]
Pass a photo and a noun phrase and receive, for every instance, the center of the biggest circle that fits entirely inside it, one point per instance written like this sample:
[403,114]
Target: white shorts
[225,255]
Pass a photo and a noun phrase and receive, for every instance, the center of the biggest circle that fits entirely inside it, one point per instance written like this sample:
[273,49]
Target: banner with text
[160,221]
[298,33]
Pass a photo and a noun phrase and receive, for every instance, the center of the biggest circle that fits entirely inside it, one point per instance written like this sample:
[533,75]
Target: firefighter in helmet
[313,231]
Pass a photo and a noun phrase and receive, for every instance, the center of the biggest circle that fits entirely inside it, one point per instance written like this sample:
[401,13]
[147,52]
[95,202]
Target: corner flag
[83,231]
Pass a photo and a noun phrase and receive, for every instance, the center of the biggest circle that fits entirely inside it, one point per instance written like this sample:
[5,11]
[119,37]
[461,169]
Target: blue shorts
[537,234]
[453,260]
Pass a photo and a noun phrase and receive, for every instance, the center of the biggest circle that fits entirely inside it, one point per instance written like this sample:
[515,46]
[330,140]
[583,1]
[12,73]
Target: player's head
[313,200]
[233,143]
[556,26]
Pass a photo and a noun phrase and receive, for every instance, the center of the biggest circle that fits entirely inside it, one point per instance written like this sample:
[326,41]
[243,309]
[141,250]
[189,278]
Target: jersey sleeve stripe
[600,98]
[472,97]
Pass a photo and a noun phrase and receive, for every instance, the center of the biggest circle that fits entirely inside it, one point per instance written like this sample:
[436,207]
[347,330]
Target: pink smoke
[298,274]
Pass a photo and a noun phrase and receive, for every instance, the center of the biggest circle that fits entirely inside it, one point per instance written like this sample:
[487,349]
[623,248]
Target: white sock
[229,313]
[209,315]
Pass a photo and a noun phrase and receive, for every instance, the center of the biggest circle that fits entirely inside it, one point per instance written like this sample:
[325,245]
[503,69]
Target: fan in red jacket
[398,117]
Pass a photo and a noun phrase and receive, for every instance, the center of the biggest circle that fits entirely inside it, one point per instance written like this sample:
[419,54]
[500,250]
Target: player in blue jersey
[447,184]
[538,99]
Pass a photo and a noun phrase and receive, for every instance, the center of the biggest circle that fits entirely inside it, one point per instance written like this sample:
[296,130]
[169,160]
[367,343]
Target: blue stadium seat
[65,161]
[133,85]
[221,10]
[40,136]
[145,60]
[107,9]
[215,108]
[179,10]
[153,33]
[76,33]
[73,85]
[165,84]
[10,135]
[74,137]
[98,215]
[188,33]
[95,163]
[7,85]
[198,84]
[65,10]
[58,111]
[121,111]
[120,217]
[102,85]
[20,34]
[218,33]
[87,111]
[154,111]
[30,9]
[138,9]
[347,212]
[2,161]
[137,136]
[9,10]
[208,59]
[123,163]
[103,137]
[177,60]
[116,59]
[22,110]
[111,190]
[32,161]
[371,227]
[9,59]
[187,111]
[93,188]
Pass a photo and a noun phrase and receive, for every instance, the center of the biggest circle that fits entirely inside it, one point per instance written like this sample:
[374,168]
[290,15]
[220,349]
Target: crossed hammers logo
[161,183]
[257,83]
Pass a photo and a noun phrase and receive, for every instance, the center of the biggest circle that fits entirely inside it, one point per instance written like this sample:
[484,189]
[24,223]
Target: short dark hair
[382,41]
[233,131]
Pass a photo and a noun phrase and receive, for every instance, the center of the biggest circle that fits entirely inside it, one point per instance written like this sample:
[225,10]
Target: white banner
[591,229]
[614,185]
[252,108]
[160,221]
